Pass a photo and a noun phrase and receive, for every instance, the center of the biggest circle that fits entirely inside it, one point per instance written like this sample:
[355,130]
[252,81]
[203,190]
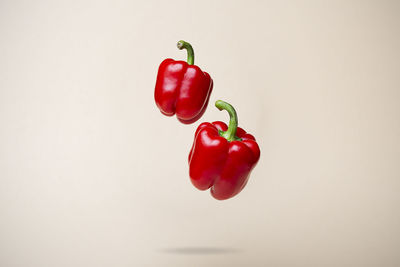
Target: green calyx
[190,53]
[230,134]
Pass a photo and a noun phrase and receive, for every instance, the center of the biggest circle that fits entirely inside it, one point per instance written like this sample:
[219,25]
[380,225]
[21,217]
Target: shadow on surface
[199,250]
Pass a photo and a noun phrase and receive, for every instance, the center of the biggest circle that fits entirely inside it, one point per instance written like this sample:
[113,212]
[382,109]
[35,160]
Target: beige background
[91,174]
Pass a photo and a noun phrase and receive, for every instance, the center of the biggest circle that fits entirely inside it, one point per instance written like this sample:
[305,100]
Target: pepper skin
[182,88]
[222,157]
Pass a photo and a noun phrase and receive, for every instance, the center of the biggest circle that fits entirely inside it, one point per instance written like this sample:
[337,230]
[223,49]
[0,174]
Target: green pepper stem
[190,53]
[230,134]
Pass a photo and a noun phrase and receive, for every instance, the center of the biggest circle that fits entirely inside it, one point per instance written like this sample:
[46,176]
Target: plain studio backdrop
[91,173]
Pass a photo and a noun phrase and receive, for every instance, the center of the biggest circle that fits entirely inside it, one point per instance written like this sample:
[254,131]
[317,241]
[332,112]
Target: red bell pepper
[222,157]
[182,88]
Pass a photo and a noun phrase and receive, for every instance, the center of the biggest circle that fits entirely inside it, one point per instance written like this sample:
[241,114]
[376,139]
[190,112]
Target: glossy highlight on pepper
[222,157]
[182,88]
